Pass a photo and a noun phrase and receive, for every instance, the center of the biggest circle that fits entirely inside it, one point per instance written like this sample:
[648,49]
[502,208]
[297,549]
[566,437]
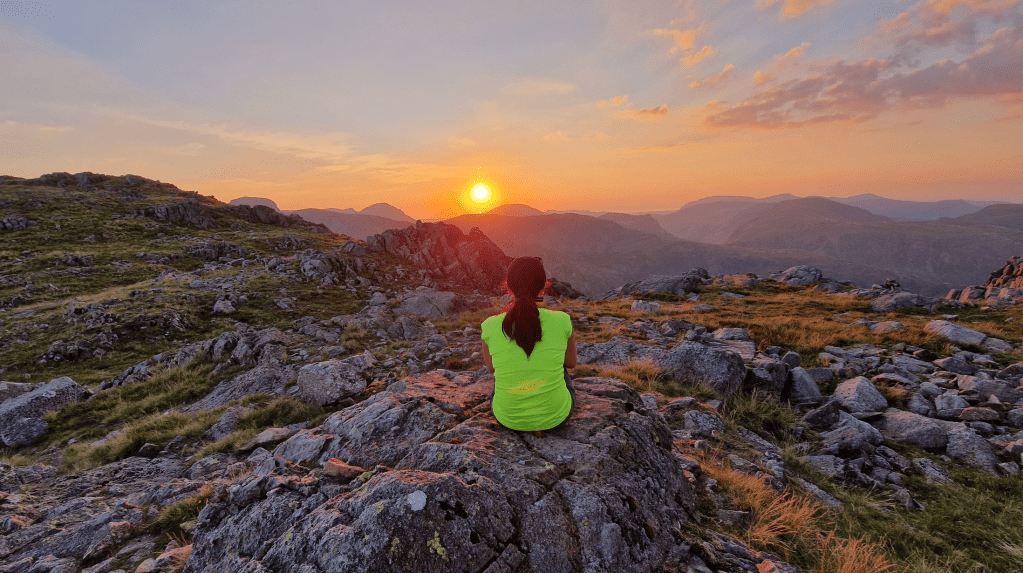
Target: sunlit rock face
[449,255]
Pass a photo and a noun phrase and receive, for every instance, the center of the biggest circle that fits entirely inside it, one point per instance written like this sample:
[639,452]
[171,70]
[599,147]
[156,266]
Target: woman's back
[530,391]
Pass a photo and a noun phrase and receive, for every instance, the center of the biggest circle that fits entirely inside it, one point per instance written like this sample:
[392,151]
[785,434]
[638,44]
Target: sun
[480,193]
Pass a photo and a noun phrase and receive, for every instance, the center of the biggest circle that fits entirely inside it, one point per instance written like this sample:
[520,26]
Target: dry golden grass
[794,524]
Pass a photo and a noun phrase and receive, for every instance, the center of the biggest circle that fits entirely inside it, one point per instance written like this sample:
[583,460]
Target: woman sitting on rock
[529,350]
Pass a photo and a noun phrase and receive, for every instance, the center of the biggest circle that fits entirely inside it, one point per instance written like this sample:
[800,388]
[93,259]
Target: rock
[21,417]
[667,284]
[1012,371]
[804,389]
[912,429]
[377,299]
[966,446]
[703,308]
[919,404]
[337,468]
[955,332]
[888,326]
[447,254]
[328,382]
[957,365]
[225,424]
[223,306]
[691,363]
[267,436]
[820,374]
[15,222]
[860,395]
[979,415]
[985,388]
[703,424]
[429,303]
[733,334]
[1015,418]
[799,276]
[465,494]
[849,435]
[932,472]
[998,345]
[900,300]
[792,359]
[822,418]
[10,390]
[645,306]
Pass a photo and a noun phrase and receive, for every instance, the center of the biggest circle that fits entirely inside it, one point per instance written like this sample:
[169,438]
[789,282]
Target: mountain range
[928,246]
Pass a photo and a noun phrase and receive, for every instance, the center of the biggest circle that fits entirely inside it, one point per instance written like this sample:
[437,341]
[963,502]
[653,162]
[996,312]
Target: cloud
[646,113]
[683,39]
[792,8]
[792,55]
[930,24]
[614,102]
[698,56]
[534,87]
[859,91]
[761,78]
[558,137]
[723,77]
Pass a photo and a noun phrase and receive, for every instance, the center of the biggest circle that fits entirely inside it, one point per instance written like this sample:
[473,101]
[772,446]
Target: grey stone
[804,389]
[898,301]
[985,388]
[645,306]
[849,435]
[223,306]
[822,418]
[860,395]
[692,363]
[955,332]
[327,382]
[429,303]
[703,424]
[919,404]
[792,359]
[888,326]
[957,365]
[932,472]
[912,429]
[10,390]
[800,275]
[21,417]
[966,446]
[1015,418]
[831,466]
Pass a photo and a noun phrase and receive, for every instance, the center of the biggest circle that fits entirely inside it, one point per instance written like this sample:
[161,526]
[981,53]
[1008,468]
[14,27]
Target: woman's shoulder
[555,313]
[492,323]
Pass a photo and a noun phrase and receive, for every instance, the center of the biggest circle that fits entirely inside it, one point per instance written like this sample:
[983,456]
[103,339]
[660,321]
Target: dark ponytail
[526,279]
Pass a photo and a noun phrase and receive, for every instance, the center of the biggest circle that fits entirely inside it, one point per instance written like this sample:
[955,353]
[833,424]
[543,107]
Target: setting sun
[480,193]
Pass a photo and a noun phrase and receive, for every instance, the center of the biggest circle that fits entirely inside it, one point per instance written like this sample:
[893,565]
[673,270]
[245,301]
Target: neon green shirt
[530,392]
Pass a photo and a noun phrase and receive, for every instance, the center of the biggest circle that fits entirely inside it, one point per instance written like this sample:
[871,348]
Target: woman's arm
[489,362]
[570,356]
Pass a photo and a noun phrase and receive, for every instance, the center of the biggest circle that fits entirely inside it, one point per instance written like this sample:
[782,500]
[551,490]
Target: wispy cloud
[682,39]
[715,81]
[760,77]
[792,8]
[696,58]
[792,55]
[646,113]
[614,102]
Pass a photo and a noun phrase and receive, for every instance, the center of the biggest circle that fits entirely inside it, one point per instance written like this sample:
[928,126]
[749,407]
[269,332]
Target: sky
[614,105]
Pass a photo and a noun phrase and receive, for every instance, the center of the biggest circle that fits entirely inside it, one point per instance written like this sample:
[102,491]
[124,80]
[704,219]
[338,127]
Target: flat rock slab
[955,332]
[603,492]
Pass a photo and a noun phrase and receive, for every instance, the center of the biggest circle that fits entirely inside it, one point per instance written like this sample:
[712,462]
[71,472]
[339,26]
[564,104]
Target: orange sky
[625,106]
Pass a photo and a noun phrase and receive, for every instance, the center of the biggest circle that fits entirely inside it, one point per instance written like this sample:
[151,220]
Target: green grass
[170,519]
[759,413]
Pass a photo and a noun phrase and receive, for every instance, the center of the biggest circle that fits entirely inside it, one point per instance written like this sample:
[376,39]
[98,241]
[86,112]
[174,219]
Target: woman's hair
[526,279]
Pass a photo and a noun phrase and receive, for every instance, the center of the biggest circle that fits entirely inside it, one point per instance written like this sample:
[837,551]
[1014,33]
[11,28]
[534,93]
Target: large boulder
[664,284]
[900,300]
[987,388]
[21,417]
[330,381]
[962,335]
[860,395]
[966,446]
[447,254]
[603,492]
[803,388]
[913,429]
[692,363]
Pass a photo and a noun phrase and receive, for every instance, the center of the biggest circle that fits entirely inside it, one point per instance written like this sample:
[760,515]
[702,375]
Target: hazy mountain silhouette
[515,210]
[253,201]
[913,210]
[387,211]
[357,226]
[643,223]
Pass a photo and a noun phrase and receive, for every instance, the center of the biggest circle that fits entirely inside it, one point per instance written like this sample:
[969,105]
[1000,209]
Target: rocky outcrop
[1004,287]
[21,417]
[963,335]
[602,493]
[330,381]
[471,261]
[799,276]
[660,284]
[15,222]
[1009,276]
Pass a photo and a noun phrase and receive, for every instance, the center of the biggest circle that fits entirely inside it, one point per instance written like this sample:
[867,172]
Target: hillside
[388,212]
[253,201]
[515,210]
[641,223]
[711,222]
[189,387]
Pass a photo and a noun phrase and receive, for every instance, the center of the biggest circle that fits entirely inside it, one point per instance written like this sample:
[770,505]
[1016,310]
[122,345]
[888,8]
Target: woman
[529,350]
